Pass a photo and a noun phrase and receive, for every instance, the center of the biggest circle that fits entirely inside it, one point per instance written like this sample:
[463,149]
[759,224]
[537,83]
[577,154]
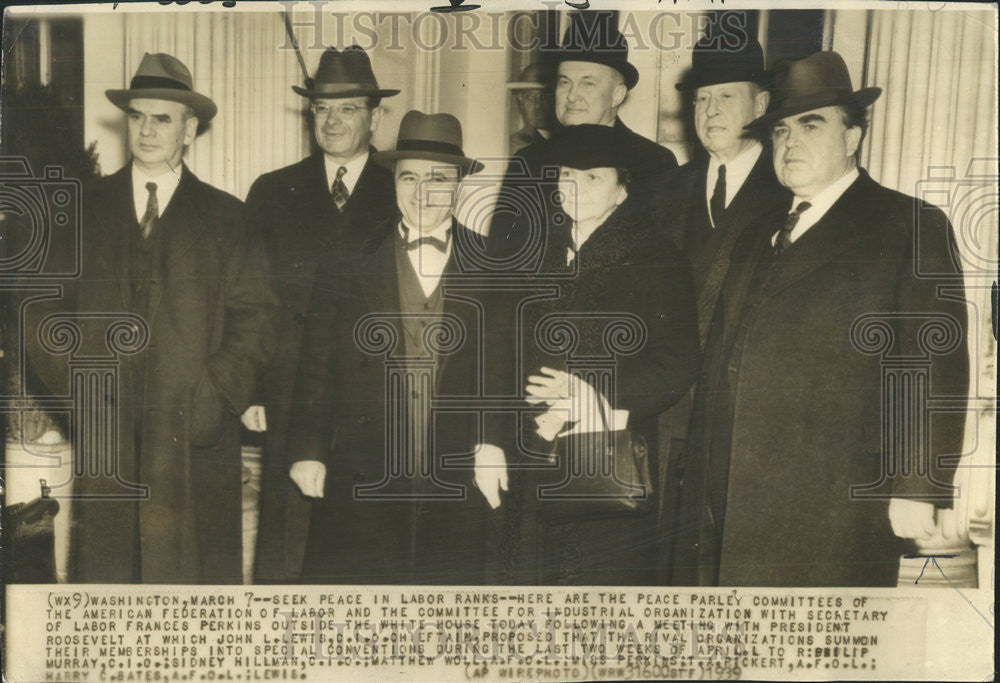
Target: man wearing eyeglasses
[320,208]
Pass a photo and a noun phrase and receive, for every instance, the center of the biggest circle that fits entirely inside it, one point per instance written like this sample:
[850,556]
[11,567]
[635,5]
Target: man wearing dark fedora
[391,478]
[171,255]
[800,473]
[593,79]
[533,94]
[322,207]
[729,185]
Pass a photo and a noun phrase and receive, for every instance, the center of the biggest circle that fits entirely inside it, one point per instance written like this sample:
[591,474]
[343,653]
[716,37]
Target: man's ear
[852,138]
[760,102]
[190,129]
[376,118]
[618,95]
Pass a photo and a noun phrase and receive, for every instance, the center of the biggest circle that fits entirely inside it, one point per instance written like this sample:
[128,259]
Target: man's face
[721,111]
[344,127]
[425,192]
[812,150]
[588,93]
[536,108]
[158,131]
[590,194]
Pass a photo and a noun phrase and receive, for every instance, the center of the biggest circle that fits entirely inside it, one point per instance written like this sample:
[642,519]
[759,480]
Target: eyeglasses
[323,110]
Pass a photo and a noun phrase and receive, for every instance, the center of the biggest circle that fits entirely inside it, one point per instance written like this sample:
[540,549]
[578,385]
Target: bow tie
[439,244]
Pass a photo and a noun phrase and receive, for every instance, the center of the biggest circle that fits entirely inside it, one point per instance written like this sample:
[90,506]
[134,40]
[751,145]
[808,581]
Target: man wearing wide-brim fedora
[347,435]
[322,207]
[799,472]
[171,253]
[593,79]
[533,94]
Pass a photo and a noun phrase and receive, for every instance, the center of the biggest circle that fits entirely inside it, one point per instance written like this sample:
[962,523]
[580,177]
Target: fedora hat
[813,82]
[714,61]
[594,37]
[343,74]
[591,145]
[535,76]
[435,137]
[164,77]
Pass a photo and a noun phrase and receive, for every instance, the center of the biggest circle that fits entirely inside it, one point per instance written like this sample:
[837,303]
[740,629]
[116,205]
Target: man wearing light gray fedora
[319,208]
[391,478]
[171,254]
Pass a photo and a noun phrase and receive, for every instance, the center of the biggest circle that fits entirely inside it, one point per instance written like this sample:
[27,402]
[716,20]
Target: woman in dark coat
[614,296]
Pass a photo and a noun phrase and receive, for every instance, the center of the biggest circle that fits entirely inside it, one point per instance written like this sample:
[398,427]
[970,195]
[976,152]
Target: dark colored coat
[527,204]
[791,402]
[628,267]
[211,324]
[293,209]
[340,419]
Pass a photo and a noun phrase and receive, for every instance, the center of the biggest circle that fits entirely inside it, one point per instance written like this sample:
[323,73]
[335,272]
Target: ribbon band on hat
[344,73]
[433,137]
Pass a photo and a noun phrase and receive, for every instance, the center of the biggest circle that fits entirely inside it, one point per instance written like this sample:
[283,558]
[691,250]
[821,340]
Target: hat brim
[389,157]
[203,107]
[763,79]
[626,69]
[863,97]
[356,92]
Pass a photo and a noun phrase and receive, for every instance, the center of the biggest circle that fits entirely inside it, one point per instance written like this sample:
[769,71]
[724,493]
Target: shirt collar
[820,203]
[166,184]
[354,168]
[737,171]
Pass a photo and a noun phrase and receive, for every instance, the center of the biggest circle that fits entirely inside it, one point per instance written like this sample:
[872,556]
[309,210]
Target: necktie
[717,205]
[339,190]
[785,235]
[440,245]
[148,220]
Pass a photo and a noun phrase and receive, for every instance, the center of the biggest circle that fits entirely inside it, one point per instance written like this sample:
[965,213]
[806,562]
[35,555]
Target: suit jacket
[527,205]
[293,209]
[211,322]
[342,419]
[790,399]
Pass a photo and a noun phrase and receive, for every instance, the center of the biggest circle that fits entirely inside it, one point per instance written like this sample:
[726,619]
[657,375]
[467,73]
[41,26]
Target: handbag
[607,474]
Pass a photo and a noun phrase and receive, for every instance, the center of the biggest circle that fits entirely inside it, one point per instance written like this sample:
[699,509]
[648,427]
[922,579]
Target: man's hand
[253,419]
[911,518]
[491,473]
[309,476]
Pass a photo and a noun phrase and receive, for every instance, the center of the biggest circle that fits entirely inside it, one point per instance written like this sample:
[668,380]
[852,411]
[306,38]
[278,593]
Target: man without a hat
[161,246]
[794,426]
[369,523]
[322,207]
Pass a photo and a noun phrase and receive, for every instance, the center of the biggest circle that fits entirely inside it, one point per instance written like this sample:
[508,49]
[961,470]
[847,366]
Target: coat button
[364,419]
[300,318]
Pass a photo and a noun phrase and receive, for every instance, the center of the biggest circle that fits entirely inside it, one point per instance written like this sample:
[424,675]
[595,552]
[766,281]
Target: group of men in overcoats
[329,316]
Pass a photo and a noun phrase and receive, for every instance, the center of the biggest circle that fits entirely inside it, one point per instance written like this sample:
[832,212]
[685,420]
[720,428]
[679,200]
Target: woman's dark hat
[344,74]
[720,59]
[435,137]
[591,145]
[164,77]
[817,81]
[594,37]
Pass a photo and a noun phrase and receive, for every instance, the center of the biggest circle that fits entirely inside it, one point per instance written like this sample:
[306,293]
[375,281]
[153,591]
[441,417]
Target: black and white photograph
[510,340]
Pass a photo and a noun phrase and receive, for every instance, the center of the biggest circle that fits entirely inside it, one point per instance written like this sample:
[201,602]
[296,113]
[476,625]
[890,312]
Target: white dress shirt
[354,168]
[737,172]
[818,205]
[427,260]
[166,184]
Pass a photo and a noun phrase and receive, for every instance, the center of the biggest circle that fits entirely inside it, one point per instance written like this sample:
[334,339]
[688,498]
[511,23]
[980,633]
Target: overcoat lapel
[111,246]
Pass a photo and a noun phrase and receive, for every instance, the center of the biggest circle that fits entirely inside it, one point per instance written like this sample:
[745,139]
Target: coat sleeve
[933,325]
[250,317]
[658,376]
[311,424]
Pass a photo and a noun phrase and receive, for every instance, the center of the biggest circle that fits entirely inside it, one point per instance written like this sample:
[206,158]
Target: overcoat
[210,321]
[409,529]
[528,204]
[789,410]
[627,268]
[293,209]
